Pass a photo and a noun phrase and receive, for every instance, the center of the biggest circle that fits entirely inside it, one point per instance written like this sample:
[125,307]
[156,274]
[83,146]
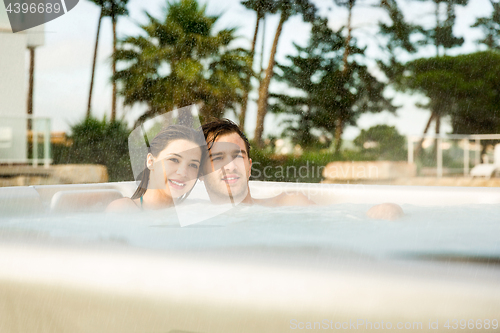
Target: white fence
[14,135]
[470,142]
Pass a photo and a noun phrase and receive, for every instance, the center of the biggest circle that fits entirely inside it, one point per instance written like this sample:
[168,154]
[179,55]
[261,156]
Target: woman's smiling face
[176,166]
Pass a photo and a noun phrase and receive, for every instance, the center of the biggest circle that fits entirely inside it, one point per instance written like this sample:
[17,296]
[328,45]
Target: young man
[227,169]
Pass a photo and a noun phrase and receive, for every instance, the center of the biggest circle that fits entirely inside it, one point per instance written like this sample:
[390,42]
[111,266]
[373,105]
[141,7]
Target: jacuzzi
[68,267]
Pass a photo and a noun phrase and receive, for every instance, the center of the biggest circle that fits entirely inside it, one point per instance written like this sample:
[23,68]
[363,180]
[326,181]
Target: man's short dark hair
[218,127]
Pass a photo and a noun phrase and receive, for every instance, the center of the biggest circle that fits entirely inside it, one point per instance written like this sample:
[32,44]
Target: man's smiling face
[227,169]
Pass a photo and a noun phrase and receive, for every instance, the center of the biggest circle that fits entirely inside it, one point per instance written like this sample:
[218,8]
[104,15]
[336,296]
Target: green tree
[287,9]
[340,121]
[491,27]
[382,142]
[476,94]
[261,8]
[440,35]
[466,87]
[325,92]
[112,9]
[399,33]
[180,60]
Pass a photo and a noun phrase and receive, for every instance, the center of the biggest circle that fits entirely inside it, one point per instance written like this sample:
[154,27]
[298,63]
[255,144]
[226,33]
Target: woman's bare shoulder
[122,205]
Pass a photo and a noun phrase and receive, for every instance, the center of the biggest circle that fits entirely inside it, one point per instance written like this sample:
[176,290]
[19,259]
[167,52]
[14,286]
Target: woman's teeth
[177,183]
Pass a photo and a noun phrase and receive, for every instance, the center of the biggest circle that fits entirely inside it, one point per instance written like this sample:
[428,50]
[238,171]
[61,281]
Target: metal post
[46,144]
[410,149]
[439,158]
[478,152]
[35,142]
[466,157]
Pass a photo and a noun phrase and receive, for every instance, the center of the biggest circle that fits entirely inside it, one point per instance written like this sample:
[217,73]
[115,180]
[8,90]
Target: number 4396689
[471,324]
[33,8]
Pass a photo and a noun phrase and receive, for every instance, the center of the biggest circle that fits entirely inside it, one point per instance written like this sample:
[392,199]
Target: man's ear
[249,172]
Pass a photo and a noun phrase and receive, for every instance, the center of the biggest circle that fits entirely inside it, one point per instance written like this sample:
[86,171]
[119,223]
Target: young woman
[171,169]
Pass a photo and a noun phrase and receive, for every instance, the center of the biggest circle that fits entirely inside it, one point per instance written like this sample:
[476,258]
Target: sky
[63,64]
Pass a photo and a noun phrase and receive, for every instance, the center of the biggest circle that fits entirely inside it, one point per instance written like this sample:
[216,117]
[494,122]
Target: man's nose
[230,165]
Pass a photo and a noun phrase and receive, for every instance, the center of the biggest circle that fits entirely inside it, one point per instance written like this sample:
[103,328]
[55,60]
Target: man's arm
[286,199]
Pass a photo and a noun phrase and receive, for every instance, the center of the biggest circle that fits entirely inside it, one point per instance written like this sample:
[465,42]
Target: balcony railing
[466,142]
[25,140]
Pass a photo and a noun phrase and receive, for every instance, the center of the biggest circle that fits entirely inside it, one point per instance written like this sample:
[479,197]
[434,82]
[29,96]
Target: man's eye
[216,158]
[238,156]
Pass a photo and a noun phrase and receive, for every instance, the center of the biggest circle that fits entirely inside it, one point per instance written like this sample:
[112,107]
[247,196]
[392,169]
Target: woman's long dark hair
[160,142]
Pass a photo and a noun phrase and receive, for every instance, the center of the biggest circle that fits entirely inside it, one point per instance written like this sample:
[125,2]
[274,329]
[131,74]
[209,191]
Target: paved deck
[424,181]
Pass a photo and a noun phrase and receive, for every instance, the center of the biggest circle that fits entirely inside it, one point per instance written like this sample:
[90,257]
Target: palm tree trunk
[264,87]
[89,105]
[244,101]
[113,103]
[262,49]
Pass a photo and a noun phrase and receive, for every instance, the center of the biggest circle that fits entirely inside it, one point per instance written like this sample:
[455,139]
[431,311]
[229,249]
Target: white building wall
[13,87]
[4,19]
[13,96]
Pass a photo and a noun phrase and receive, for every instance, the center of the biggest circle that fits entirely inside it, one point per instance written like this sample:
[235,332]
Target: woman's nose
[182,170]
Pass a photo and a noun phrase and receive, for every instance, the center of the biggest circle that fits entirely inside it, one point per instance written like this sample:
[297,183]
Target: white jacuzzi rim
[324,194]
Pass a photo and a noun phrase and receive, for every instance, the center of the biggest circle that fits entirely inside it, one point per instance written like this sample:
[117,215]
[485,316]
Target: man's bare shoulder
[122,205]
[386,211]
[286,199]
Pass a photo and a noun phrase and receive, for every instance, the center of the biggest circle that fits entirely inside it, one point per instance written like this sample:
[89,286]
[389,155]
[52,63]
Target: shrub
[382,142]
[306,168]
[98,142]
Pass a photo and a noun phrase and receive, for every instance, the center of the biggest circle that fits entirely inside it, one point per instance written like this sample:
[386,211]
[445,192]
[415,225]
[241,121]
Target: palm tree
[179,61]
[89,105]
[261,8]
[113,9]
[287,8]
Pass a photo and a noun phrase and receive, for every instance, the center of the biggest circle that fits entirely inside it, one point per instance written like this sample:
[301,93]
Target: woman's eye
[216,158]
[174,160]
[195,166]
